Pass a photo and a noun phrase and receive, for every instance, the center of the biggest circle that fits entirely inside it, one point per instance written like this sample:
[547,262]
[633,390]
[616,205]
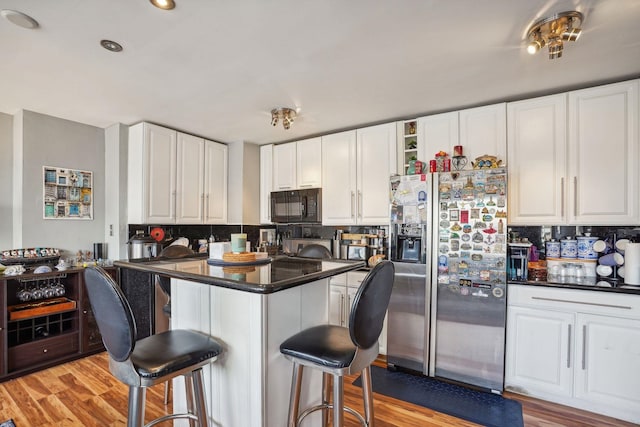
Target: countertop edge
[242,286]
[617,290]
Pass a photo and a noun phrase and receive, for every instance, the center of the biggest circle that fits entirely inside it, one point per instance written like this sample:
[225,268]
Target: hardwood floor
[83,393]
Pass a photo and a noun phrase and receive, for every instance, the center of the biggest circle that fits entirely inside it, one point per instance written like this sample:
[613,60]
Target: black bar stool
[339,351]
[151,360]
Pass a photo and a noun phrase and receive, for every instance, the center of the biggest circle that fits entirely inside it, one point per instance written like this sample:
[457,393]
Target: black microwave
[296,206]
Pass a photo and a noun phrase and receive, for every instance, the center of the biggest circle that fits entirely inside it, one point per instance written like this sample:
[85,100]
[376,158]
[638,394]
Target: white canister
[568,248]
[552,249]
[585,247]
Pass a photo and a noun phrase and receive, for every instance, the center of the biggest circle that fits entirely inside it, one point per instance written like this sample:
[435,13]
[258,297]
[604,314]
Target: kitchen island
[250,309]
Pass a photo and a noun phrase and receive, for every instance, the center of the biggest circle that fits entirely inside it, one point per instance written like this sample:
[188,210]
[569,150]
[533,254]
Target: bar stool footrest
[330,406]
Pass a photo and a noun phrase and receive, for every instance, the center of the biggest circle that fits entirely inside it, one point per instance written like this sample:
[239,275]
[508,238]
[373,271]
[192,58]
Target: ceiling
[215,68]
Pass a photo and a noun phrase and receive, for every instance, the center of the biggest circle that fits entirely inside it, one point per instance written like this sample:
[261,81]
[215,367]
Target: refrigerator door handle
[419,275]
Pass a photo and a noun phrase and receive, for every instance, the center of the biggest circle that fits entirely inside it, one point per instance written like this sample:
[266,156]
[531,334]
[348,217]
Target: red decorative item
[157,233]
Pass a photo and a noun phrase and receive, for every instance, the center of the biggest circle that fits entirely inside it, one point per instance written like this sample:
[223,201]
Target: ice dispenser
[518,261]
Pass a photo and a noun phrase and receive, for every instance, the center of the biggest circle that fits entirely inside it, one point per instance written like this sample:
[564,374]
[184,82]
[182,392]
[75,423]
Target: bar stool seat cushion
[324,345]
[172,351]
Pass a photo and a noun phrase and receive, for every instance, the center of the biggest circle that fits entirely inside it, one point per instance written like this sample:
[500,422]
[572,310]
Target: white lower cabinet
[574,347]
[342,291]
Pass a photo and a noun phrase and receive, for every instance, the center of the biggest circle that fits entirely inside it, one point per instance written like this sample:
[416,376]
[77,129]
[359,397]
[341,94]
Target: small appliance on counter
[142,246]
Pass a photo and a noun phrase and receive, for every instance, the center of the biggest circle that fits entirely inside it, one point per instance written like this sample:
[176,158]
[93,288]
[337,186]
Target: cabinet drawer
[41,351]
[597,302]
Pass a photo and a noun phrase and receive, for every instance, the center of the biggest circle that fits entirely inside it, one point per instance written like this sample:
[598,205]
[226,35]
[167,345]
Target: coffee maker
[518,259]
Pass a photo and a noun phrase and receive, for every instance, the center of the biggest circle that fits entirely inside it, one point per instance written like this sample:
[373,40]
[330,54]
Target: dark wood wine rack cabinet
[45,320]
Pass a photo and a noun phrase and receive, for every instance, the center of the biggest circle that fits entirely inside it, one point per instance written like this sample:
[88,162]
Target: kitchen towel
[632,264]
[479,407]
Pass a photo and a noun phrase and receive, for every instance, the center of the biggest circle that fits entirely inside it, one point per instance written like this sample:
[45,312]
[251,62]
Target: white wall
[243,203]
[116,230]
[51,141]
[6,178]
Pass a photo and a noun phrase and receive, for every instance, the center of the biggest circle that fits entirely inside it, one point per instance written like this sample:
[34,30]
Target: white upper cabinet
[603,161]
[339,178]
[175,178]
[151,174]
[356,166]
[537,160]
[573,158]
[284,167]
[297,165]
[189,182]
[376,161]
[483,130]
[437,133]
[309,163]
[216,171]
[266,182]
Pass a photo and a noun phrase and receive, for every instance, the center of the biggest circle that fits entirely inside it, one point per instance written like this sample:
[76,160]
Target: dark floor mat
[479,407]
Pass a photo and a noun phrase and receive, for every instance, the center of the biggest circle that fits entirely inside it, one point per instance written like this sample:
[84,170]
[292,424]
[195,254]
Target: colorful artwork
[67,193]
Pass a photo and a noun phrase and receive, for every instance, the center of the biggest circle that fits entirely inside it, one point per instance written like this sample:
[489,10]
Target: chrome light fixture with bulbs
[287,115]
[553,32]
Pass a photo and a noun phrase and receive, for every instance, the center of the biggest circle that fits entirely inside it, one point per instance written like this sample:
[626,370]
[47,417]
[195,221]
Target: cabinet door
[339,178]
[309,163]
[537,155]
[266,182]
[603,164]
[608,362]
[376,161]
[436,133]
[189,179]
[215,182]
[539,352]
[483,130]
[284,166]
[337,304]
[160,180]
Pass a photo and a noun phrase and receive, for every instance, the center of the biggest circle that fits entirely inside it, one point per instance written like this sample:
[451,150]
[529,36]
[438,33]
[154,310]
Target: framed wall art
[67,193]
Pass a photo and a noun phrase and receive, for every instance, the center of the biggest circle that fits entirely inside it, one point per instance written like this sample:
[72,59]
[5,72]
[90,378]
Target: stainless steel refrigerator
[409,244]
[447,313]
[469,265]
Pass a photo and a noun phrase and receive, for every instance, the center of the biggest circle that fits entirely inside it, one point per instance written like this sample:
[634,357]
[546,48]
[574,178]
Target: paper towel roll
[632,264]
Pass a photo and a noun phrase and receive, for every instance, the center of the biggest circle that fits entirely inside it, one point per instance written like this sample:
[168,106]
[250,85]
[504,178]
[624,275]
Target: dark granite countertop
[585,284]
[281,273]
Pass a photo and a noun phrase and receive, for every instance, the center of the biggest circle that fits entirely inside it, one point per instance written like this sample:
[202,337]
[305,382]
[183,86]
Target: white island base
[249,384]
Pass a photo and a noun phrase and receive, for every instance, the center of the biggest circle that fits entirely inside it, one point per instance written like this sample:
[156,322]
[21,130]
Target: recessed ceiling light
[19,19]
[111,45]
[163,4]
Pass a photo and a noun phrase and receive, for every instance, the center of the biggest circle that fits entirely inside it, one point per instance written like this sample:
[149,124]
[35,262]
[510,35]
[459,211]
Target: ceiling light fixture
[553,31]
[19,19]
[287,115]
[111,45]
[163,4]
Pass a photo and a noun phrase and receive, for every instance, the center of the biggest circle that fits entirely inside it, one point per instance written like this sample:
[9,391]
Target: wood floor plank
[84,393]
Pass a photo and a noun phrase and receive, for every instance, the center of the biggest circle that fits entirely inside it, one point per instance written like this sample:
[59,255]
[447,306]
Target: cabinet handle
[584,347]
[341,309]
[305,185]
[45,350]
[624,307]
[575,196]
[174,214]
[206,207]
[360,203]
[284,187]
[562,196]
[84,311]
[353,196]
[569,347]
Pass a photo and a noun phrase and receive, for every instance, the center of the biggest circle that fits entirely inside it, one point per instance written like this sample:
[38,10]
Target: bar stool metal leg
[188,383]
[294,399]
[326,395]
[338,401]
[200,404]
[167,390]
[367,396]
[135,416]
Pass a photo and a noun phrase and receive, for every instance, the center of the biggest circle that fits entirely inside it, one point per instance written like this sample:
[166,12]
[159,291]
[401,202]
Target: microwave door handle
[303,206]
